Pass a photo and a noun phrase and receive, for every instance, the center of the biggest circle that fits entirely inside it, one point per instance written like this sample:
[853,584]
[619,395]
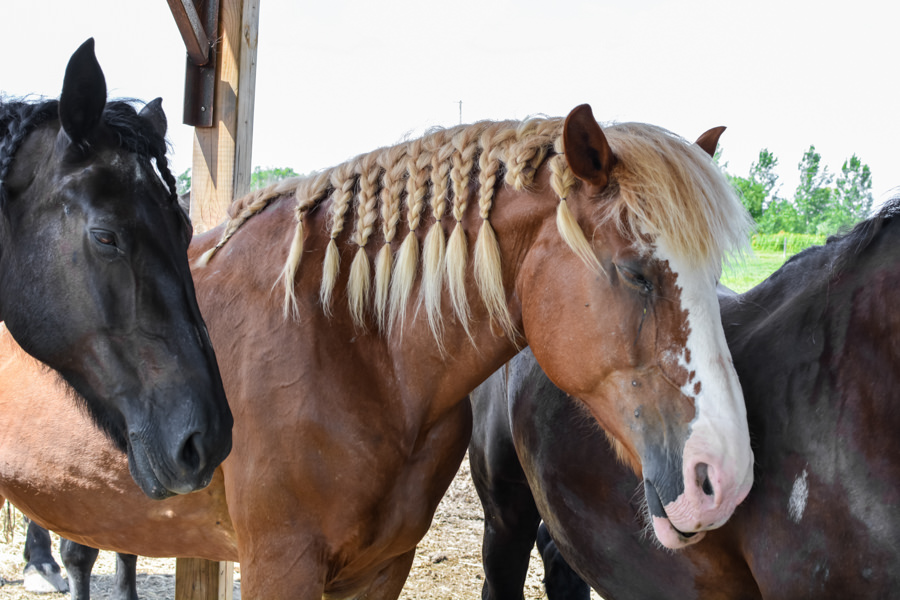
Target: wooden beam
[221,171]
[222,153]
[198,579]
[193,30]
[246,97]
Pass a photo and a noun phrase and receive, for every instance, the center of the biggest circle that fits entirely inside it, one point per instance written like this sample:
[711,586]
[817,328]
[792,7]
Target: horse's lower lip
[143,473]
[655,507]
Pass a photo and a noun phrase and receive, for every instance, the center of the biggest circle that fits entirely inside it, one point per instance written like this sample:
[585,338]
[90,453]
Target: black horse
[42,573]
[817,350]
[94,278]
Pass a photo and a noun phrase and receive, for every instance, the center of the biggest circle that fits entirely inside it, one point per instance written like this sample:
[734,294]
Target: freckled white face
[717,459]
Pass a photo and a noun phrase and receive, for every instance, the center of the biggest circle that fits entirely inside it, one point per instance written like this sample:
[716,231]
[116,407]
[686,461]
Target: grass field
[742,277]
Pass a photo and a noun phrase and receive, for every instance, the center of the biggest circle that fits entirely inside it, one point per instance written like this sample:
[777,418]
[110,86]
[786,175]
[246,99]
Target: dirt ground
[447,565]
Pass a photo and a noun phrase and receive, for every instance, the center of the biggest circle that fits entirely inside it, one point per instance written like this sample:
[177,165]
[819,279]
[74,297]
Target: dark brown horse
[816,348]
[94,278]
[349,389]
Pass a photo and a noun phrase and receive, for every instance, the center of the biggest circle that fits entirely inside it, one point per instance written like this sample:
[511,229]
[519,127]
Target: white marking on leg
[44,580]
[799,494]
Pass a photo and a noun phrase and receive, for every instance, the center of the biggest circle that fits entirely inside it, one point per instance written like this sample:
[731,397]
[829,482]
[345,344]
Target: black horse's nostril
[192,455]
[703,479]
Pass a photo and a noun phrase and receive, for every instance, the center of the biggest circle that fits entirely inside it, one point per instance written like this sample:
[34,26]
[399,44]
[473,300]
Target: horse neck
[458,359]
[828,331]
[864,320]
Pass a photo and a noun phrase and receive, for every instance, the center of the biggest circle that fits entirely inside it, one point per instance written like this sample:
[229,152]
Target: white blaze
[719,435]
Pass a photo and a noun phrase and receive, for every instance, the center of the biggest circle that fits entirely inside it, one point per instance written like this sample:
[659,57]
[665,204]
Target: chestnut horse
[816,348]
[349,390]
[94,277]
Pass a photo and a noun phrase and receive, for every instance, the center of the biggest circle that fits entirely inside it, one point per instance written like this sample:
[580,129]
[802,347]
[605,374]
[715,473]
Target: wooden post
[221,166]
[198,579]
[219,173]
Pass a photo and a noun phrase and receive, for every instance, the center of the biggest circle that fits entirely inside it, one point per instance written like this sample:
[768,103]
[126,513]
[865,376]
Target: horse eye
[635,279]
[106,238]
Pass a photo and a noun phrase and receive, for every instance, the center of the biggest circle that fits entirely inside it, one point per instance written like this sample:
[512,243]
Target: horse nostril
[703,479]
[192,455]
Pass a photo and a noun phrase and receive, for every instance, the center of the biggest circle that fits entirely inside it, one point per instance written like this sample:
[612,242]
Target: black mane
[842,249]
[17,119]
[135,134]
[863,233]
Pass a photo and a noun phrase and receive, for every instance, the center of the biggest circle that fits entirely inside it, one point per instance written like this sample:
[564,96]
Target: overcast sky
[340,77]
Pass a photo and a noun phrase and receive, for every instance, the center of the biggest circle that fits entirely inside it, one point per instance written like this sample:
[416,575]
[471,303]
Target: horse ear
[154,113]
[587,151]
[710,140]
[83,94]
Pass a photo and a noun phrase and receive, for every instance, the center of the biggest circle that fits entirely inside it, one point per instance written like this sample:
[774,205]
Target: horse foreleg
[126,578]
[511,520]
[389,583]
[509,535]
[281,565]
[79,562]
[560,581]
[42,573]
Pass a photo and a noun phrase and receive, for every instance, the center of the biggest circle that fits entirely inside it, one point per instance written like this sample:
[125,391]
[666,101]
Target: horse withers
[404,278]
[94,279]
[815,347]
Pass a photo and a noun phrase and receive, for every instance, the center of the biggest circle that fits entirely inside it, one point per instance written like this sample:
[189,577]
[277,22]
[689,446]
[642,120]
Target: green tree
[757,192]
[183,182]
[813,198]
[762,173]
[781,215]
[854,191]
[818,207]
[751,193]
[261,178]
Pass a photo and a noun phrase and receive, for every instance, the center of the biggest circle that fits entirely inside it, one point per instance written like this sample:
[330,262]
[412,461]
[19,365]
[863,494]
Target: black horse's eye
[104,237]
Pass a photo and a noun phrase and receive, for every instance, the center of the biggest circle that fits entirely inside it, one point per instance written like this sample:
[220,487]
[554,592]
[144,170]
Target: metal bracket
[198,22]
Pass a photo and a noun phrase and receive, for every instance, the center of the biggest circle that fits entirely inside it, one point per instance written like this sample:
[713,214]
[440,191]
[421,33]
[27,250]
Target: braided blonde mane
[662,189]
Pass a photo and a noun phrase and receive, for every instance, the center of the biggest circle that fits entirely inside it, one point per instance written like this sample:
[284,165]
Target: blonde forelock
[670,192]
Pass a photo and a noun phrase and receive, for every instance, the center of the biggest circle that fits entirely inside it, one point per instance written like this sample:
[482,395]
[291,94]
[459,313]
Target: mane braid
[465,144]
[393,164]
[434,247]
[488,275]
[359,284]
[663,191]
[418,165]
[563,181]
[138,135]
[307,193]
[343,181]
[17,120]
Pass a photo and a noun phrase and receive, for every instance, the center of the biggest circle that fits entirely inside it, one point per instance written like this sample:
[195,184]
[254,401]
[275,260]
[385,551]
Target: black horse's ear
[83,94]
[153,112]
[587,151]
[710,140]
